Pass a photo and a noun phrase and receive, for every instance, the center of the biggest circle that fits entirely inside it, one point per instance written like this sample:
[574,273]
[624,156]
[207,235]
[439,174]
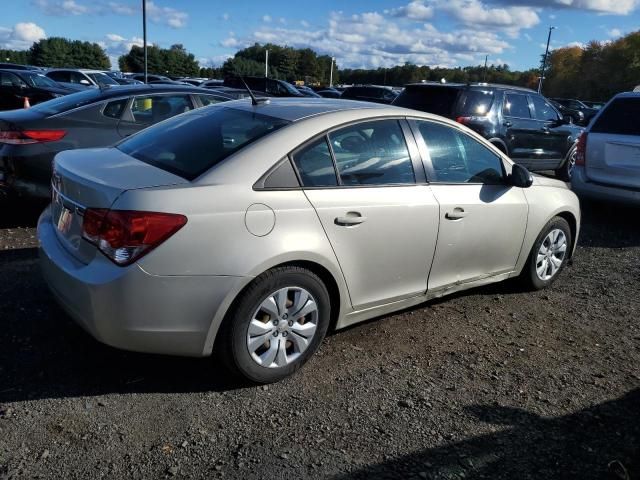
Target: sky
[359,33]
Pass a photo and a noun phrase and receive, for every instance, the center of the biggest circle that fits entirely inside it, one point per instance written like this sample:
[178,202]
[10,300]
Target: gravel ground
[491,383]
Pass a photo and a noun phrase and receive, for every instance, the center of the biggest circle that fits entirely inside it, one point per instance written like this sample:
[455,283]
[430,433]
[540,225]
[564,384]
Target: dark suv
[578,111]
[520,122]
[370,93]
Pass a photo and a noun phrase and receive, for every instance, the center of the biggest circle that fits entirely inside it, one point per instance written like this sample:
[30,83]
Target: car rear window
[189,145]
[621,117]
[68,102]
[431,99]
[475,102]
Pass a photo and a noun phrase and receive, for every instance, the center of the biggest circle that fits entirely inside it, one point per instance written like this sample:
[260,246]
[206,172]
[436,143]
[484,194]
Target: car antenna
[254,100]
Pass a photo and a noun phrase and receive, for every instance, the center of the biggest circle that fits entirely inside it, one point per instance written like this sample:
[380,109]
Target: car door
[522,132]
[482,218]
[146,110]
[554,130]
[379,216]
[11,92]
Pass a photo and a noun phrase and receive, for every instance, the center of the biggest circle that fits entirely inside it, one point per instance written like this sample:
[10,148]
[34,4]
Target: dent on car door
[482,218]
[380,221]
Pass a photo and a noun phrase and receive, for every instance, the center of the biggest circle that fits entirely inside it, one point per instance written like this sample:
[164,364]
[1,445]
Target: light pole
[544,60]
[266,63]
[331,72]
[144,36]
[486,58]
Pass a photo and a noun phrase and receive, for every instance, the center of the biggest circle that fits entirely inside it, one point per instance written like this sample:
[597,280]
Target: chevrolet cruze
[247,229]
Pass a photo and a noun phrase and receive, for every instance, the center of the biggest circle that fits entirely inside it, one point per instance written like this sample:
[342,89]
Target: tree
[61,52]
[175,61]
[20,57]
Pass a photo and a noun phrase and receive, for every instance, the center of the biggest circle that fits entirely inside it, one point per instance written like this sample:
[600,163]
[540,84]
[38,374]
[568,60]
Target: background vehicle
[578,111]
[16,66]
[29,139]
[608,159]
[237,93]
[276,88]
[177,251]
[16,85]
[212,83]
[80,78]
[329,93]
[518,121]
[370,93]
[596,105]
[150,78]
[121,79]
[306,91]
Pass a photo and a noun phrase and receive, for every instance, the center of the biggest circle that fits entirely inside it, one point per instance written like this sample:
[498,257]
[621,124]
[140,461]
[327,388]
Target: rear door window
[60,76]
[543,109]
[516,105]
[210,99]
[189,145]
[315,165]
[431,99]
[475,102]
[150,109]
[115,109]
[621,117]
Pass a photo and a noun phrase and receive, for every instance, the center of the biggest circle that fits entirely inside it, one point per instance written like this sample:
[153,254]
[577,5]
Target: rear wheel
[278,323]
[549,254]
[566,170]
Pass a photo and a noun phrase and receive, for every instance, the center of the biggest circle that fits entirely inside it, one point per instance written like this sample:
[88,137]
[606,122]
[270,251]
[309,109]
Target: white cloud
[225,16]
[474,13]
[21,35]
[62,7]
[615,33]
[266,18]
[282,20]
[616,7]
[167,15]
[116,45]
[120,9]
[575,44]
[304,23]
[415,10]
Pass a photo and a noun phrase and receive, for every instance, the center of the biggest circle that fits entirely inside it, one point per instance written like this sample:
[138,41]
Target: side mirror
[84,81]
[567,119]
[520,176]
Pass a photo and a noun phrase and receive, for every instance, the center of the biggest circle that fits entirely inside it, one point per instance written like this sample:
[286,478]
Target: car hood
[543,181]
[59,90]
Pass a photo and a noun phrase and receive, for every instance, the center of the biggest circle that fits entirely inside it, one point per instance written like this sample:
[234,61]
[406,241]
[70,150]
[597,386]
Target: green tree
[61,52]
[175,61]
[20,57]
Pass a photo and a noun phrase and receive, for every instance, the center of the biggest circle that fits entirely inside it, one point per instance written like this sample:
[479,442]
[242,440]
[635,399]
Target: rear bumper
[583,187]
[128,308]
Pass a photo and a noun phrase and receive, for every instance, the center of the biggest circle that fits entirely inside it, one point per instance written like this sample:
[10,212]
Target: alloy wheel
[282,327]
[551,254]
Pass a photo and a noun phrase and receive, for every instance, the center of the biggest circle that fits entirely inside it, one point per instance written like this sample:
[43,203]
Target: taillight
[463,120]
[124,236]
[581,149]
[26,137]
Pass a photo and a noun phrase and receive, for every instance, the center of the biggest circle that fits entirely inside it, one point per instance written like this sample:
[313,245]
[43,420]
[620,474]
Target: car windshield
[38,80]
[429,98]
[290,89]
[68,102]
[102,79]
[189,145]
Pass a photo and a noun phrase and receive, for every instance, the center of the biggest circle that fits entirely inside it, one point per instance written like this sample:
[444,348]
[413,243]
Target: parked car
[29,139]
[17,66]
[608,160]
[243,230]
[196,82]
[596,105]
[329,93]
[306,91]
[578,111]
[212,83]
[275,88]
[150,77]
[80,78]
[121,79]
[370,93]
[238,93]
[20,86]
[518,121]
[167,82]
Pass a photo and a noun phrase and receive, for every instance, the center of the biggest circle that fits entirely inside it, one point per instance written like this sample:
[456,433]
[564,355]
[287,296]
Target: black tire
[231,345]
[529,274]
[566,170]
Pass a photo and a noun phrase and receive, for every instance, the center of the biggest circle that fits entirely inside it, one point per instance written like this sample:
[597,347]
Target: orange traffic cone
[26,103]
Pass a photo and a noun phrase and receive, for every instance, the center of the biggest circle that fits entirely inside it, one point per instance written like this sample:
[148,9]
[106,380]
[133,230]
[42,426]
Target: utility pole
[544,60]
[486,57]
[331,72]
[144,36]
[266,63]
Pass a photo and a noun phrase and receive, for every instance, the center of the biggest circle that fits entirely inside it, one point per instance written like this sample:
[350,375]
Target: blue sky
[358,33]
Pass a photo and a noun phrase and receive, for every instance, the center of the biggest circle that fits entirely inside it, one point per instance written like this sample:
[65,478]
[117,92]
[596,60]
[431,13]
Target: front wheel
[549,254]
[566,170]
[278,323]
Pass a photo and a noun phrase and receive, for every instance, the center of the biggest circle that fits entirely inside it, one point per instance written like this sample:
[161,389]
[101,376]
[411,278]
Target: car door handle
[455,214]
[507,124]
[350,219]
[545,129]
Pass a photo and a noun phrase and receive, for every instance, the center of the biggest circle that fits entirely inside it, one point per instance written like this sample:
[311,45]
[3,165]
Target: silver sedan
[248,230]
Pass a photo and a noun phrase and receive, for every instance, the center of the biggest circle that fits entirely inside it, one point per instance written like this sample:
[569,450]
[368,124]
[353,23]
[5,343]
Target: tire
[241,342]
[566,170]
[530,274]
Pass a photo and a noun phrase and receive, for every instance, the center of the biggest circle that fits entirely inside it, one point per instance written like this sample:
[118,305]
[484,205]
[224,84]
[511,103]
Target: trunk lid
[95,178]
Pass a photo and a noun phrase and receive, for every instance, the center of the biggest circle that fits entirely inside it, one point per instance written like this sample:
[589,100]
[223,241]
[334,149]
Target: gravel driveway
[491,383]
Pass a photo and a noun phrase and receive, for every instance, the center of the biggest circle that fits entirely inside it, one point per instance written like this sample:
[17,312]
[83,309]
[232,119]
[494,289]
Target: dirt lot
[492,383]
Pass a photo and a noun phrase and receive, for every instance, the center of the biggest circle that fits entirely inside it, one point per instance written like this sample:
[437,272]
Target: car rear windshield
[619,118]
[189,145]
[68,102]
[475,102]
[435,99]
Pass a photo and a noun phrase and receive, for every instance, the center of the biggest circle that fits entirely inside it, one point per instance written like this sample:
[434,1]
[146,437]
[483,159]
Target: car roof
[474,84]
[19,71]
[116,91]
[294,109]
[626,95]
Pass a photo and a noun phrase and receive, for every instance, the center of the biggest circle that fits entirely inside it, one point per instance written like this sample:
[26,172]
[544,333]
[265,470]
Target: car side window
[459,158]
[315,165]
[372,153]
[10,80]
[544,111]
[115,109]
[77,77]
[151,109]
[60,76]
[210,99]
[516,105]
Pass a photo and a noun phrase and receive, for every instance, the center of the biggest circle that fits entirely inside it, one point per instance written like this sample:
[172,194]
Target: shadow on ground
[600,442]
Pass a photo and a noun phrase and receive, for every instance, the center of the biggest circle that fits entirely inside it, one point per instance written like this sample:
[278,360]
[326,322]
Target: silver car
[608,153]
[248,230]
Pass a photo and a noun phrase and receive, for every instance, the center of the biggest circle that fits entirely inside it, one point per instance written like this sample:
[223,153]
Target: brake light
[124,236]
[463,120]
[26,137]
[581,149]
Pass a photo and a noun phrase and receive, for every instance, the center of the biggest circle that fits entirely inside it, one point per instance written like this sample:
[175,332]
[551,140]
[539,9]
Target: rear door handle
[545,129]
[507,124]
[455,214]
[350,219]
